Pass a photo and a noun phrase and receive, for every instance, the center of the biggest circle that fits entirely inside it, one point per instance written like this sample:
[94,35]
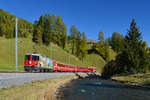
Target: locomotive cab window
[35,58]
[27,57]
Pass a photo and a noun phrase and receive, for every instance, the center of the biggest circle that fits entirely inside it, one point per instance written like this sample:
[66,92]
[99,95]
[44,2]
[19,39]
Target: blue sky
[89,16]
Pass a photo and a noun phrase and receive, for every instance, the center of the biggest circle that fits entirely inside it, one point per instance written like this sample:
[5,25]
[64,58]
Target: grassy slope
[95,60]
[25,45]
[142,79]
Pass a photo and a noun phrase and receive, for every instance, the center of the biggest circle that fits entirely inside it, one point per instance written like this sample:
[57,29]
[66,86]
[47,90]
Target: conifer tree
[100,45]
[7,26]
[41,21]
[3,30]
[78,44]
[46,30]
[117,41]
[83,46]
[59,31]
[37,34]
[73,38]
[64,36]
[53,28]
[134,56]
[54,19]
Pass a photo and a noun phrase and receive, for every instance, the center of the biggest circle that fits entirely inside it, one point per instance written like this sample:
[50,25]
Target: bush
[110,69]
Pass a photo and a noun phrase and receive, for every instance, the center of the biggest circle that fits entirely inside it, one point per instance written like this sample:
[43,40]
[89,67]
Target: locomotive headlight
[30,62]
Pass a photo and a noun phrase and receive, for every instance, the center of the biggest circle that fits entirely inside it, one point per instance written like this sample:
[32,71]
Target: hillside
[95,60]
[7,25]
[25,45]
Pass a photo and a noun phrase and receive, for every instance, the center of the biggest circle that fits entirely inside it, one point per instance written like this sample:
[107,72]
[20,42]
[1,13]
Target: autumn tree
[78,44]
[100,44]
[107,51]
[73,31]
[117,42]
[101,36]
[59,30]
[64,36]
[37,34]
[83,46]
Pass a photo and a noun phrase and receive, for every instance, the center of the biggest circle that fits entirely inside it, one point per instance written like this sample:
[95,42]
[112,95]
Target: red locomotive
[40,63]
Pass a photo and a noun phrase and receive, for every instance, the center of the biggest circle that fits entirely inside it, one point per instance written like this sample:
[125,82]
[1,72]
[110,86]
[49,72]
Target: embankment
[36,90]
[142,80]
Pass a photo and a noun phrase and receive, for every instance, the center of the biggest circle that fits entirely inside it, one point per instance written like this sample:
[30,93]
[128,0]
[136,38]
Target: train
[35,62]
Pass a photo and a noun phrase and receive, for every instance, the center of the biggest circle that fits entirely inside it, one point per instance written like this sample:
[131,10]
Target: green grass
[6,68]
[25,45]
[96,61]
[35,90]
[143,79]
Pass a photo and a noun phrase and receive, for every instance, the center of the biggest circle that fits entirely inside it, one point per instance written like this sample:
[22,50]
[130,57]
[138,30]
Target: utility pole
[69,59]
[51,51]
[16,45]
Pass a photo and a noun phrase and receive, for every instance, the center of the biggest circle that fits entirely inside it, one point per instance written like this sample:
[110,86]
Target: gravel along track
[9,79]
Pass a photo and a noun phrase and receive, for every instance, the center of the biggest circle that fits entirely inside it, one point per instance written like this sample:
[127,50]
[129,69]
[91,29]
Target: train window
[27,57]
[60,65]
[35,58]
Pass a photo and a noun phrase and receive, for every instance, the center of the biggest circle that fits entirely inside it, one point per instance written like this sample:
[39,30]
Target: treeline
[7,26]
[52,29]
[78,43]
[49,28]
[108,48]
[133,53]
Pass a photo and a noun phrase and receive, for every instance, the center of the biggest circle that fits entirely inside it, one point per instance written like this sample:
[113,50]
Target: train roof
[33,54]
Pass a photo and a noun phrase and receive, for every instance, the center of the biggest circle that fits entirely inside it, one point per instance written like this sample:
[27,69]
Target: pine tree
[134,56]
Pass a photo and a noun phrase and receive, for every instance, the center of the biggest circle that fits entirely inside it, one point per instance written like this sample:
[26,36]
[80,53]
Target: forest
[7,26]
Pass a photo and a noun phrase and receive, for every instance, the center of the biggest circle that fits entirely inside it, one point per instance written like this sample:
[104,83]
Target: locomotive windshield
[27,57]
[35,58]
